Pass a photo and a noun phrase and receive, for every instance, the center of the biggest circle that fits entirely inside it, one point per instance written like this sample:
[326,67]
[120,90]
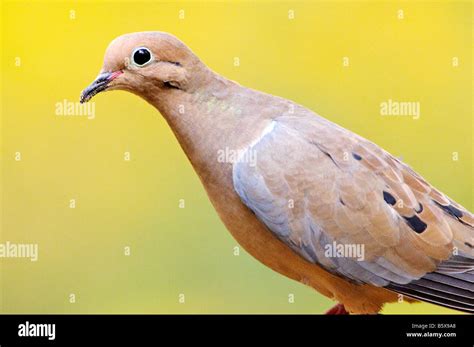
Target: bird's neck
[219,117]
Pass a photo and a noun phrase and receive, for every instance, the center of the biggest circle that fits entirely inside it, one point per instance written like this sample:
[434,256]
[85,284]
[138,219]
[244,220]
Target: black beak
[100,84]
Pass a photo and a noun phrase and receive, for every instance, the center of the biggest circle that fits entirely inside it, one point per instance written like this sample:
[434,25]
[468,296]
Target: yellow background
[135,203]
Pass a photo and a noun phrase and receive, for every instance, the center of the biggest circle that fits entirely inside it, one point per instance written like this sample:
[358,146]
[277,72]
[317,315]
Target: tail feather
[465,307]
[436,287]
[451,285]
[467,277]
[449,280]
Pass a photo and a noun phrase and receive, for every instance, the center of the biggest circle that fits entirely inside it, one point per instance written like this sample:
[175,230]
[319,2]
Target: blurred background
[340,59]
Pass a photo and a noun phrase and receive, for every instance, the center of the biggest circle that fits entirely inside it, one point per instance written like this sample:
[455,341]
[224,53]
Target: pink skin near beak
[100,84]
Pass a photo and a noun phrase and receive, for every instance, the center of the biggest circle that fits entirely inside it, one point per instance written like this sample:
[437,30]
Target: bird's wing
[342,202]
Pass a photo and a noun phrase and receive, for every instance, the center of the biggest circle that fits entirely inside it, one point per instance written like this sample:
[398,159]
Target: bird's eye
[141,56]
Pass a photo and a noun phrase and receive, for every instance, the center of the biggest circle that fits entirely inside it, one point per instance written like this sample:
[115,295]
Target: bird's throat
[209,121]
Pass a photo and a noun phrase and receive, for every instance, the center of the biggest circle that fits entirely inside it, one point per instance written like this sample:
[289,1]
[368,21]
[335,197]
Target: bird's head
[145,63]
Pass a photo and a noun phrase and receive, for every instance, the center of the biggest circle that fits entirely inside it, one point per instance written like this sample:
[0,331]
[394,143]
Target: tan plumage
[313,184]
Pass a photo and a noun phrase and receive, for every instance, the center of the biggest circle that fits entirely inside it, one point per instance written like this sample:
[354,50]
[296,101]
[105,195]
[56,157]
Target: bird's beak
[101,83]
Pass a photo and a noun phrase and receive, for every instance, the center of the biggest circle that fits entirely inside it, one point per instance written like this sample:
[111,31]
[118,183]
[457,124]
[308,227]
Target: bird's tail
[451,285]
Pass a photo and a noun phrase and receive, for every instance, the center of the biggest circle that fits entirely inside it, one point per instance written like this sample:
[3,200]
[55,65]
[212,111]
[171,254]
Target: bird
[298,192]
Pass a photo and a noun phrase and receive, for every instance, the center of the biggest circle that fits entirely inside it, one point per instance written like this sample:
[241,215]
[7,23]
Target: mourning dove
[300,193]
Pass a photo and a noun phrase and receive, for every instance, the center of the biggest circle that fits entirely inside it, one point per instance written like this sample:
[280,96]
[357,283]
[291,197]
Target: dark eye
[141,56]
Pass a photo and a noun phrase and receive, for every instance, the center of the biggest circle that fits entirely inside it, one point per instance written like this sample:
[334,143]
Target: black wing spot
[356,156]
[342,202]
[389,199]
[451,210]
[416,224]
[468,245]
[420,208]
[454,211]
